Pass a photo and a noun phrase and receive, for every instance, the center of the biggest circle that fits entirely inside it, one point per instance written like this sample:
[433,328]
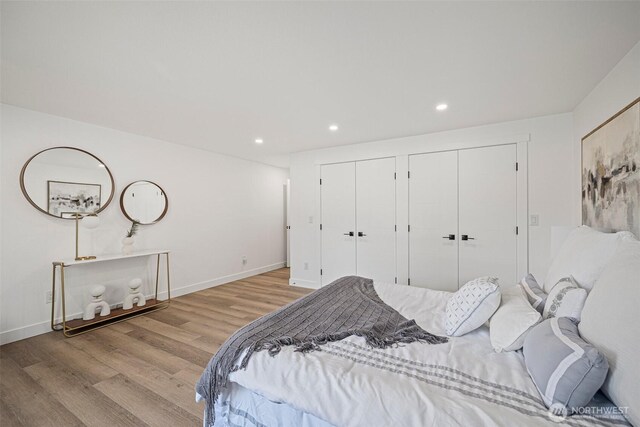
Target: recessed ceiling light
[333,128]
[259,141]
[441,107]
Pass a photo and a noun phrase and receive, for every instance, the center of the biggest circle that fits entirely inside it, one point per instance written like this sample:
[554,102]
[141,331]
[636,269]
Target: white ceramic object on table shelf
[135,295]
[96,304]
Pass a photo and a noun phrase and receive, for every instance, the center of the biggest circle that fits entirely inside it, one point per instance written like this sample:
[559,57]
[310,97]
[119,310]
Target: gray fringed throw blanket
[349,306]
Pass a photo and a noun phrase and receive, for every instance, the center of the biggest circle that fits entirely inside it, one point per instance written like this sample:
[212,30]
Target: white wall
[220,209]
[550,171]
[618,89]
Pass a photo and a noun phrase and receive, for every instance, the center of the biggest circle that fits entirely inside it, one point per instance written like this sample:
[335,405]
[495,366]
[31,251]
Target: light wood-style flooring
[135,373]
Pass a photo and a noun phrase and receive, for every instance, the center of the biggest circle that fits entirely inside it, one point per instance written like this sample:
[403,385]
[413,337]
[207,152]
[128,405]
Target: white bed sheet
[241,407]
[460,383]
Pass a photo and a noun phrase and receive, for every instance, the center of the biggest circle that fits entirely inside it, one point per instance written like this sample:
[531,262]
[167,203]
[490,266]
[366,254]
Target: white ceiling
[218,75]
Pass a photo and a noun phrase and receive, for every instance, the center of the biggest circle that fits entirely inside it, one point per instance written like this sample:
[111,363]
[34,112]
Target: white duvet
[460,383]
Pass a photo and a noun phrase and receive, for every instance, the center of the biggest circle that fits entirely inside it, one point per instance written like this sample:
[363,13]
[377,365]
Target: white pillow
[566,299]
[583,255]
[472,305]
[610,322]
[512,321]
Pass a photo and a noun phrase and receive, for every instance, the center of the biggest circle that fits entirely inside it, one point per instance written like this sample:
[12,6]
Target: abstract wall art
[611,173]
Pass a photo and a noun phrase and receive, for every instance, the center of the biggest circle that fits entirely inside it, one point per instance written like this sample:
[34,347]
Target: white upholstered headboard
[559,234]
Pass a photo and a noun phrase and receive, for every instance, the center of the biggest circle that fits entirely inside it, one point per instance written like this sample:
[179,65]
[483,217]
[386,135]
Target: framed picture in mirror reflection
[72,197]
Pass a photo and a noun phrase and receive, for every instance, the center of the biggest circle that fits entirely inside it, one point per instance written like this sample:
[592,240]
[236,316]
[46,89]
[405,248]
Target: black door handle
[361,234]
[465,237]
[450,237]
[348,234]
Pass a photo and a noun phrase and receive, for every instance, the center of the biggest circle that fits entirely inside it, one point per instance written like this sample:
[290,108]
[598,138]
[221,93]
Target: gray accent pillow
[565,368]
[536,296]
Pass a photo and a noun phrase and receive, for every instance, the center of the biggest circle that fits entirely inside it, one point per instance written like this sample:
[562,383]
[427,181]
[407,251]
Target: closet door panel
[487,204]
[376,219]
[433,214]
[338,204]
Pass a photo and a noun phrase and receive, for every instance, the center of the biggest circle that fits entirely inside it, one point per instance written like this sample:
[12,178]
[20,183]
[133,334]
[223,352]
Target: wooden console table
[79,326]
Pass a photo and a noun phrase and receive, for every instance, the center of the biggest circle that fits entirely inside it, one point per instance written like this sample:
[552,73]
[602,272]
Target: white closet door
[487,204]
[376,219]
[433,216]
[338,199]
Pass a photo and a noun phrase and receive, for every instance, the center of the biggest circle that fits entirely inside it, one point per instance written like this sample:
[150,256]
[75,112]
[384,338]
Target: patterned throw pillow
[566,299]
[536,296]
[472,305]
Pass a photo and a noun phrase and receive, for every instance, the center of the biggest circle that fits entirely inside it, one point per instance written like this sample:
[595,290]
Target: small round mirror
[144,202]
[63,181]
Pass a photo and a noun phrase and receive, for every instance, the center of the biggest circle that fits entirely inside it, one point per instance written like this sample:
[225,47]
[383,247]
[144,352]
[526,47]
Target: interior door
[376,219]
[338,204]
[433,218]
[488,207]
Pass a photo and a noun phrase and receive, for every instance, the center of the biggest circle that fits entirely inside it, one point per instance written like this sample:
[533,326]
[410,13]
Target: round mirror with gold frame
[144,202]
[65,181]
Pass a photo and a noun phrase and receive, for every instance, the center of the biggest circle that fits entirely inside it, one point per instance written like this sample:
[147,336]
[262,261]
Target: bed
[463,382]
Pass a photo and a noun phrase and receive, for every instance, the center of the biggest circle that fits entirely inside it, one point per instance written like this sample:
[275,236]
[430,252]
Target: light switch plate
[534,220]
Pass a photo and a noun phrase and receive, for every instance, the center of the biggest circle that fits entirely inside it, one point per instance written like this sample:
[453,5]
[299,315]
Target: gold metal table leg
[55,326]
[64,302]
[53,296]
[157,274]
[168,280]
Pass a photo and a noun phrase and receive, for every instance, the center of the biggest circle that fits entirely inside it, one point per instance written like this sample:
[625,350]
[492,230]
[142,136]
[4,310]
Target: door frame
[287,213]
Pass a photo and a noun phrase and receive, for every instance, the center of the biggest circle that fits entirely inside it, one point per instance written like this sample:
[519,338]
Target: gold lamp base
[78,216]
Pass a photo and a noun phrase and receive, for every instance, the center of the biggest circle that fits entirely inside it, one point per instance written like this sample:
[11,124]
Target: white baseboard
[28,331]
[304,283]
[176,292]
[25,332]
